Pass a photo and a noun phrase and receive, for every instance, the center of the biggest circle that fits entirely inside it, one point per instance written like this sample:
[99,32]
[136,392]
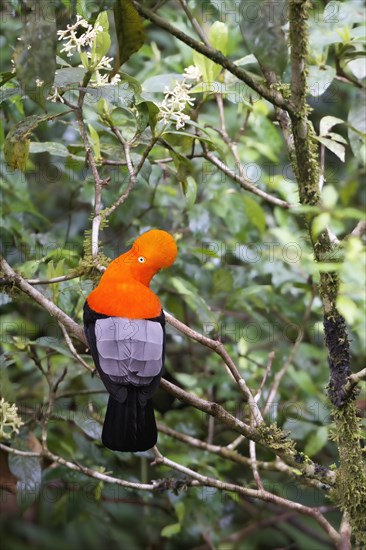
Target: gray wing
[130,350]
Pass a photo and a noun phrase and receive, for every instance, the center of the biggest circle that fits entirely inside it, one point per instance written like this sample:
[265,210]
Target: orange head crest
[124,287]
[157,247]
[151,252]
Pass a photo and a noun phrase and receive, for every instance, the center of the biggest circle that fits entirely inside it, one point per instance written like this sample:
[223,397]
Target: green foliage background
[245,274]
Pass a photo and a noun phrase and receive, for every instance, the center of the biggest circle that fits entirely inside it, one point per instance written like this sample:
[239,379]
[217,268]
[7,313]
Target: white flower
[104,63]
[10,422]
[74,42]
[99,79]
[174,104]
[115,79]
[55,96]
[39,82]
[192,73]
[86,40]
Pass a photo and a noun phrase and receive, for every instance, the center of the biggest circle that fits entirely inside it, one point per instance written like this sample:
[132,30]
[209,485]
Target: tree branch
[244,491]
[287,453]
[359,230]
[73,328]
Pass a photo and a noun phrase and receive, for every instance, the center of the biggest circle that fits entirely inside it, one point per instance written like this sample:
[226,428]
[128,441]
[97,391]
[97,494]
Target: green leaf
[316,441]
[357,122]
[208,68]
[319,79]
[211,88]
[102,20]
[327,122]
[51,147]
[320,223]
[152,111]
[261,25]
[249,59]
[122,94]
[35,55]
[180,510]
[329,196]
[187,134]
[27,469]
[184,169]
[103,41]
[68,76]
[358,67]
[171,530]
[303,380]
[337,148]
[189,186]
[218,36]
[88,425]
[222,280]
[255,213]
[188,380]
[156,84]
[189,294]
[95,142]
[16,153]
[348,308]
[337,137]
[16,146]
[55,271]
[129,29]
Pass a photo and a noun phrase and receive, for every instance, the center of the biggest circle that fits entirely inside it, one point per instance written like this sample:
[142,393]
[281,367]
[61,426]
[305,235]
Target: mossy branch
[351,474]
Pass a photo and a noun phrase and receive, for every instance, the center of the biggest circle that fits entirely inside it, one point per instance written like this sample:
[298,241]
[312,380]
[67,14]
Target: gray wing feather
[130,351]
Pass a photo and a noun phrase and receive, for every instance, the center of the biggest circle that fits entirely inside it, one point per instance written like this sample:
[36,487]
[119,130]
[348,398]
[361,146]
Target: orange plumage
[123,290]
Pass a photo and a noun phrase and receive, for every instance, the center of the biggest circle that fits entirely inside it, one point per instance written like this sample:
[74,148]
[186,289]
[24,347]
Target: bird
[124,324]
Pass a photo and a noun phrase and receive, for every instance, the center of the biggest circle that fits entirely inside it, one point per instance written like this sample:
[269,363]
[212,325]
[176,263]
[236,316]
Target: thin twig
[245,184]
[254,465]
[271,357]
[98,181]
[154,485]
[53,280]
[199,30]
[353,380]
[71,347]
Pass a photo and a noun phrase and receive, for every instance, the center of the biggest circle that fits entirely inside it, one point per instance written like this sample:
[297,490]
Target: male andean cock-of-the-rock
[125,327]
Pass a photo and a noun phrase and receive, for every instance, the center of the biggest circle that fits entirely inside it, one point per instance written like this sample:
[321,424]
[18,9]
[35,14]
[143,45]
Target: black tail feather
[129,426]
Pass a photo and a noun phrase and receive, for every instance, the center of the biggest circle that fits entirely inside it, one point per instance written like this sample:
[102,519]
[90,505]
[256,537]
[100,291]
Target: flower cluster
[176,100]
[73,41]
[10,422]
[103,64]
[87,39]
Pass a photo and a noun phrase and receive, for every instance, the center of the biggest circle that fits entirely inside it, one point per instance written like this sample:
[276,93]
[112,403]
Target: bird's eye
[141,259]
